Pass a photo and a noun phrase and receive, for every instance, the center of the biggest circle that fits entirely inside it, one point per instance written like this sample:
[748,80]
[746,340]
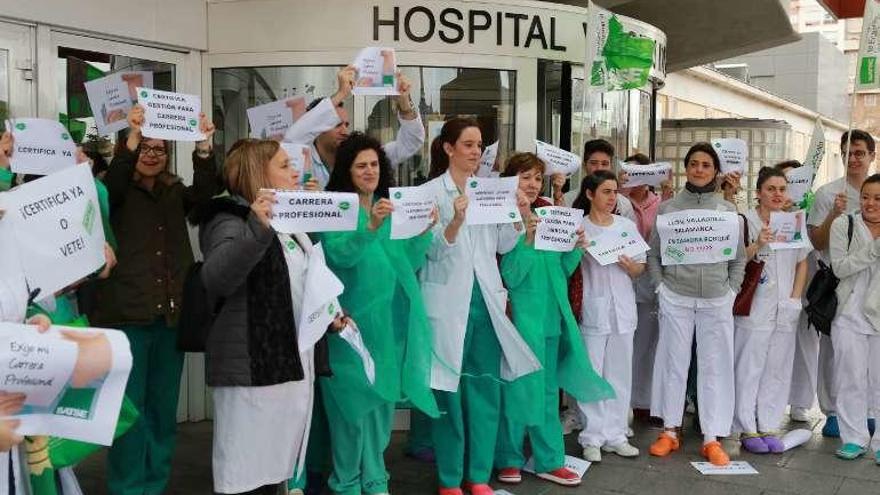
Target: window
[438,93]
[871,100]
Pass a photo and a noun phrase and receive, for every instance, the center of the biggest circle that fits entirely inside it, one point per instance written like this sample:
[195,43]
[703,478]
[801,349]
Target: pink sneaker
[509,475]
[562,476]
[478,488]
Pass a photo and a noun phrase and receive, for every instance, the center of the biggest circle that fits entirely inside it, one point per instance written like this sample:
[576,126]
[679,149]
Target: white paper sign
[354,339]
[557,228]
[487,161]
[789,229]
[320,304]
[376,72]
[271,121]
[314,211]
[300,156]
[690,237]
[91,366]
[171,116]
[622,240]
[646,175]
[800,185]
[42,146]
[557,160]
[57,222]
[492,201]
[412,211]
[734,154]
[110,102]
[734,467]
[34,365]
[575,464]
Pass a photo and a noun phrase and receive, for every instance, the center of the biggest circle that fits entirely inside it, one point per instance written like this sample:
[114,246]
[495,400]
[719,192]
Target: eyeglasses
[157,151]
[858,154]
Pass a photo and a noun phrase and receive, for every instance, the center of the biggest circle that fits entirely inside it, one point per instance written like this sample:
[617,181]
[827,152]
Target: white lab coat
[446,281]
[764,341]
[608,323]
[322,118]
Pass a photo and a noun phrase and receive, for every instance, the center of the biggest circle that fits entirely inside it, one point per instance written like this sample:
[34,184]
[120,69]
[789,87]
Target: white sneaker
[800,414]
[624,449]
[592,454]
[571,421]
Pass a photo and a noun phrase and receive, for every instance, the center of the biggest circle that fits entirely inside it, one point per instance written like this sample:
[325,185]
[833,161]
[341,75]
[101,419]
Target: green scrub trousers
[419,435]
[465,433]
[548,445]
[139,462]
[318,450]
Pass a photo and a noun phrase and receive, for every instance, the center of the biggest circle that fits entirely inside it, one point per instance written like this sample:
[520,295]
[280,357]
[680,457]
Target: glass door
[16,72]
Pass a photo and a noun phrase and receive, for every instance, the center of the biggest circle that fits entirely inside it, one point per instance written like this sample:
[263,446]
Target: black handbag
[821,295]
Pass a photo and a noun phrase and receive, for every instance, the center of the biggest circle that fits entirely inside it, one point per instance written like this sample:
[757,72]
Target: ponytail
[450,133]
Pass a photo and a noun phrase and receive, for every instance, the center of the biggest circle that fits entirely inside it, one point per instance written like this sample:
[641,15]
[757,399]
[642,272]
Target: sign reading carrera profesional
[58,229]
[312,211]
[491,200]
[690,237]
[172,116]
[557,228]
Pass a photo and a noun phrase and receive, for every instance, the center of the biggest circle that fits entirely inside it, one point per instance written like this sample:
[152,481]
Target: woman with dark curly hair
[382,292]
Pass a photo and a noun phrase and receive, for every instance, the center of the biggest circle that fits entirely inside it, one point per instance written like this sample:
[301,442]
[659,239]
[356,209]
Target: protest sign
[646,175]
[572,463]
[621,240]
[57,222]
[313,211]
[868,71]
[491,200]
[172,116]
[557,160]
[73,380]
[320,305]
[487,161]
[557,228]
[376,72]
[690,237]
[621,52]
[412,211]
[789,229]
[110,102]
[351,335]
[734,154]
[300,156]
[800,186]
[271,121]
[732,468]
[42,146]
[134,80]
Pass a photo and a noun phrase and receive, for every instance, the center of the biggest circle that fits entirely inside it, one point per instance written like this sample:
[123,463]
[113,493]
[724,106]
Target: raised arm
[411,135]
[323,116]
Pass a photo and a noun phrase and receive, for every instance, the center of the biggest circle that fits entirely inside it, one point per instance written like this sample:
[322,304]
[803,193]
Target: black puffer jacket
[253,341]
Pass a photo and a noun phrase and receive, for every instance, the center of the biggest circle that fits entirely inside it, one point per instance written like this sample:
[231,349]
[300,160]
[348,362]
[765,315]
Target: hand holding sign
[380,210]
[262,206]
[734,154]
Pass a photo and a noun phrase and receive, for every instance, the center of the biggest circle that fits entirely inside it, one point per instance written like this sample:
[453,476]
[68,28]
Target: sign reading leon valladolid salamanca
[458,23]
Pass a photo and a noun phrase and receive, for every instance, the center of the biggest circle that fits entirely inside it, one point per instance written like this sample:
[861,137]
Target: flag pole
[852,111]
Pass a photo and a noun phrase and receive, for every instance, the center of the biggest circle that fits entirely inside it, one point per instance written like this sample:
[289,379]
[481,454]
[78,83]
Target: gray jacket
[705,280]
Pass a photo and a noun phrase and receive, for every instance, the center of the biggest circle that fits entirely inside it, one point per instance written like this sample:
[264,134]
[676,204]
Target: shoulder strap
[849,230]
[745,229]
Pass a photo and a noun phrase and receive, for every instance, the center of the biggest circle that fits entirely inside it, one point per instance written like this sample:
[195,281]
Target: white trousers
[826,388]
[713,320]
[644,349]
[763,364]
[857,367]
[806,366]
[605,422]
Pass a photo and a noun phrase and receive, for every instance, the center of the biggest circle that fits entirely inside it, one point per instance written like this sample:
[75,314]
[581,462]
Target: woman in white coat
[764,341]
[855,331]
[475,343]
[608,320]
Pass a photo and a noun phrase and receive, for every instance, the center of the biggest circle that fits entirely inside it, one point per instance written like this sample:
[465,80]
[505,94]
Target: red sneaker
[478,488]
[509,475]
[562,476]
[450,491]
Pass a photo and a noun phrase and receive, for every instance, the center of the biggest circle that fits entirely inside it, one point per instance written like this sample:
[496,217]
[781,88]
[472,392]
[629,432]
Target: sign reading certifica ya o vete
[312,211]
[412,211]
[491,200]
[172,116]
[557,228]
[58,229]
[690,237]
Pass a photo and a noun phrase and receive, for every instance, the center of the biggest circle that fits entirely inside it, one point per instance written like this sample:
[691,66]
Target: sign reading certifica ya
[690,237]
[613,243]
[557,228]
[57,222]
[42,146]
[172,116]
[311,211]
[491,200]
